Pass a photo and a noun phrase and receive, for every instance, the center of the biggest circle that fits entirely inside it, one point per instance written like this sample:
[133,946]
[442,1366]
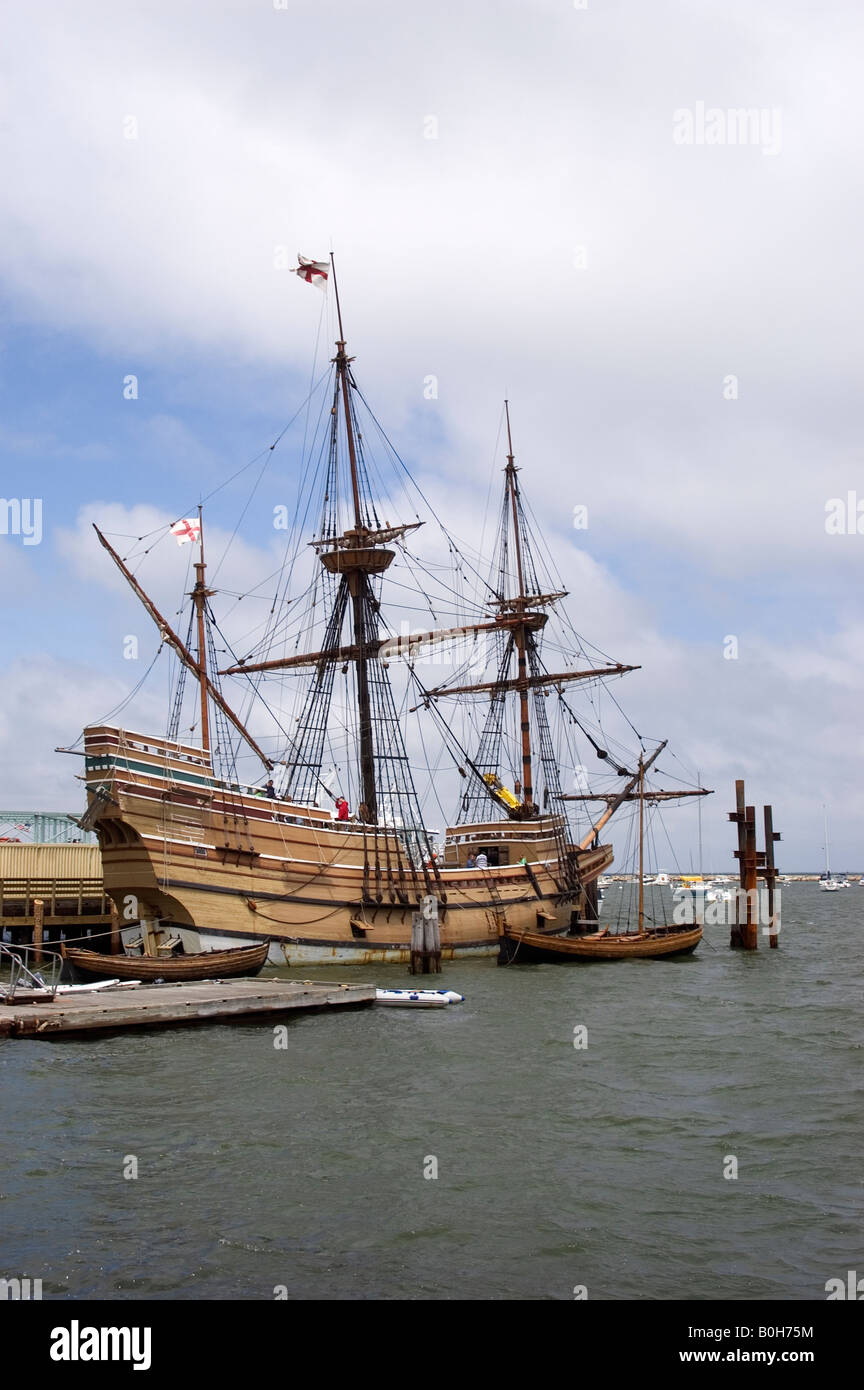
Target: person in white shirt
[481,862]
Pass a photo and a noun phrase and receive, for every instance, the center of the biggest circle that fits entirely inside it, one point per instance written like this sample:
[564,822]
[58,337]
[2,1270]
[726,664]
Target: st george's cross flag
[313,272]
[189,529]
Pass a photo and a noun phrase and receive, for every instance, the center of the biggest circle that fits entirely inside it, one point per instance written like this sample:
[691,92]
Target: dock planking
[205,1001]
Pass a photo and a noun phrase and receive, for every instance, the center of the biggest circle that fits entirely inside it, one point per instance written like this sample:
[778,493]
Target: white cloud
[45,703]
[456,258]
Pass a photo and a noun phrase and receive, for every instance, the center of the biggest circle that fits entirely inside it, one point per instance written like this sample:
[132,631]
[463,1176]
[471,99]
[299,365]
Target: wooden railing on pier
[67,906]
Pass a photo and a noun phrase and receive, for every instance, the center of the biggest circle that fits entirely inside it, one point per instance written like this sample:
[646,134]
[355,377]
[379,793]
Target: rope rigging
[355,730]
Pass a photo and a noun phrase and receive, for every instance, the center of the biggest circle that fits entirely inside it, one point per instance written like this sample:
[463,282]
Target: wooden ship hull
[189,852]
[207,965]
[533,947]
[216,865]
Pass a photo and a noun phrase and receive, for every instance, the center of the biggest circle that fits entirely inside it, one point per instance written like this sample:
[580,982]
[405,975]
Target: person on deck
[341,809]
[471,862]
[481,861]
[270,790]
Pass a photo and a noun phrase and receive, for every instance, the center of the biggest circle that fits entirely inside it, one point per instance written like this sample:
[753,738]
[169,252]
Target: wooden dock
[147,1006]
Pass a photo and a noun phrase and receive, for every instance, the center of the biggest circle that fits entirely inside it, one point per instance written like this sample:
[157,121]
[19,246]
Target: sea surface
[266,1171]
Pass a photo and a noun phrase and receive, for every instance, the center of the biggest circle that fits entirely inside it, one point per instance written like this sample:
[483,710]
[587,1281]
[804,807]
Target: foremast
[197,665]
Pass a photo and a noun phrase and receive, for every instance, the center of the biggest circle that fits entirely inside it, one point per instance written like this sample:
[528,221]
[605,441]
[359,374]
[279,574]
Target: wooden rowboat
[203,965]
[531,947]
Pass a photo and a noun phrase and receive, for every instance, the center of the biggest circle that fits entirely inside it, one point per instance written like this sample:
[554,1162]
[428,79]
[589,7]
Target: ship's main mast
[520,632]
[354,555]
[356,565]
[200,595]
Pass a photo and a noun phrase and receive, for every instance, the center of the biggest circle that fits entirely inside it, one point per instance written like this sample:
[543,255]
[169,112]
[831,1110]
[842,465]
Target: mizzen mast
[521,597]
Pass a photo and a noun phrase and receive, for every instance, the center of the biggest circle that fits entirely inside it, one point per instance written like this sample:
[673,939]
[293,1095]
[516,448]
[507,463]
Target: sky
[638,222]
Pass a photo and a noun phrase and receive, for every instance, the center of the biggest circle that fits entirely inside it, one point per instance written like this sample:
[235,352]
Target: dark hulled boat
[535,947]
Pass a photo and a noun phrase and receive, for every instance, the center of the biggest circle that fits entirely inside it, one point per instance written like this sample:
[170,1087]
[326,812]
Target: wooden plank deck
[205,1001]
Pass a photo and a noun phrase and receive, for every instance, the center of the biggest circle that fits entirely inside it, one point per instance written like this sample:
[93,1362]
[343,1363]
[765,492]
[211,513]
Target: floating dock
[147,1006]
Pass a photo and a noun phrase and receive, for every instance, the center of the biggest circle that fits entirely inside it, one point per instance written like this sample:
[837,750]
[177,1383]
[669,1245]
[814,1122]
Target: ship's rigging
[355,688]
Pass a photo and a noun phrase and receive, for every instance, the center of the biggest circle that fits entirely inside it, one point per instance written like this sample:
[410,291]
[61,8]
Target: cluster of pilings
[426,939]
[754,864]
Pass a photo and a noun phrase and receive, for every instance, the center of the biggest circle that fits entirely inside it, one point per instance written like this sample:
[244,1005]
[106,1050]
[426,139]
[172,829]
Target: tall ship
[328,784]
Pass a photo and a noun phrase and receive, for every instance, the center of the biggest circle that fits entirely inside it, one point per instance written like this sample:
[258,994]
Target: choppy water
[557,1167]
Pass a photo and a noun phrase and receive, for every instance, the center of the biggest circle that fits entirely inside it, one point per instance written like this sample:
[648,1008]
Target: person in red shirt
[341,809]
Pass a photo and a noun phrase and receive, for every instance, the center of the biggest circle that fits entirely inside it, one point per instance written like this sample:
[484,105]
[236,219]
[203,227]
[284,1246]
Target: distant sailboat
[827,882]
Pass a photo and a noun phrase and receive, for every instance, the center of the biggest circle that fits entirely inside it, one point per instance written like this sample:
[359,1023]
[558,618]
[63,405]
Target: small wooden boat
[532,947]
[648,941]
[203,965]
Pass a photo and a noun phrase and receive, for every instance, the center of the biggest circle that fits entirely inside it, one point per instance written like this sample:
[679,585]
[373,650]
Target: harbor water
[567,1128]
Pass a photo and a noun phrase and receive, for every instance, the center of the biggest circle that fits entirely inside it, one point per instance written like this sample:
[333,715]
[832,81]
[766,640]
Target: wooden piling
[771,836]
[753,864]
[591,904]
[737,816]
[426,939]
[116,942]
[38,929]
[750,931]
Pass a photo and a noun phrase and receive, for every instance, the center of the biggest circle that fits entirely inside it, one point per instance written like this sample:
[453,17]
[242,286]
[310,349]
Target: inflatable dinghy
[418,998]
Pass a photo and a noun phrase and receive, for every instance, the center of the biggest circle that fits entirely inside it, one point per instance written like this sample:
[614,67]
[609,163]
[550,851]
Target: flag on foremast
[313,272]
[189,529]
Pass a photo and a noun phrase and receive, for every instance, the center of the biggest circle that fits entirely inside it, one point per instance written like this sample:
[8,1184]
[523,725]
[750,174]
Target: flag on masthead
[313,272]
[189,529]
